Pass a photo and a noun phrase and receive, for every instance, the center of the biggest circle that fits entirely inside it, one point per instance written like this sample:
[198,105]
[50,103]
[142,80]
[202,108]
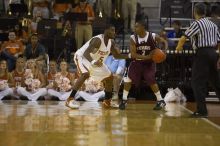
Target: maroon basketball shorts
[142,70]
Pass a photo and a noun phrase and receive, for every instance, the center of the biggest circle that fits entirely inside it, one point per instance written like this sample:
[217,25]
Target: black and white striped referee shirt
[203,33]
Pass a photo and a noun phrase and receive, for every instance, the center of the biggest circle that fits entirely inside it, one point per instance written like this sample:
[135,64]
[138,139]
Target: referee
[205,39]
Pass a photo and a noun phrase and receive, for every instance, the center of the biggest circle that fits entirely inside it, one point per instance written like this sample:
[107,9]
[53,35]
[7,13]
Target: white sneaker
[114,105]
[72,104]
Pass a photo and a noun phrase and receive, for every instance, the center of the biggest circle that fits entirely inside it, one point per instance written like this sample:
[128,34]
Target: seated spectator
[63,82]
[117,67]
[36,50]
[50,77]
[52,72]
[6,81]
[18,74]
[91,91]
[34,81]
[11,50]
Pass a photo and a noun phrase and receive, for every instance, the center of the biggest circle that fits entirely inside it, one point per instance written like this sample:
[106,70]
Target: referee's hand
[218,63]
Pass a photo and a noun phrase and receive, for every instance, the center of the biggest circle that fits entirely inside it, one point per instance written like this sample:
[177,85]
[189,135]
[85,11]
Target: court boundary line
[205,119]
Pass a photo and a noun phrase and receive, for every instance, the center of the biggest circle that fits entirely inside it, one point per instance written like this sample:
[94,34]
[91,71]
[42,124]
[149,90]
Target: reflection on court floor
[50,123]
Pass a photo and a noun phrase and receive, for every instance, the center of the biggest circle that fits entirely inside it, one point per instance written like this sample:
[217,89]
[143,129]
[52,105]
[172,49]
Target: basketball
[158,55]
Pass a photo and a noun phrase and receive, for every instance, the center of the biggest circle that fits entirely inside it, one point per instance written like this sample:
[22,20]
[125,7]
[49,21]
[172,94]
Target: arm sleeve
[108,61]
[192,30]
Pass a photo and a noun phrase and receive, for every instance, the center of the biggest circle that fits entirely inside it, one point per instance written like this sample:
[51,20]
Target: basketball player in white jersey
[90,60]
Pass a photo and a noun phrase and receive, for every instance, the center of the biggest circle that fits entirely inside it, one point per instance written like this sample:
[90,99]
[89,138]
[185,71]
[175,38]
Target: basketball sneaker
[122,104]
[71,103]
[159,105]
[114,105]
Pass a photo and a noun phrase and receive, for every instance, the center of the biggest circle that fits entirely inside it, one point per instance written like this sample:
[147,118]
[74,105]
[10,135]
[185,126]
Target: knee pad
[127,79]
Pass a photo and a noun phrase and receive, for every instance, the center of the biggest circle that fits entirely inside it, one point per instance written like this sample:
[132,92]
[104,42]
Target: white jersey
[102,52]
[84,66]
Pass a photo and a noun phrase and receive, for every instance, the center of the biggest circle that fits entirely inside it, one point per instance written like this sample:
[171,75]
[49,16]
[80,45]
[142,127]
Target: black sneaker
[122,104]
[199,115]
[159,105]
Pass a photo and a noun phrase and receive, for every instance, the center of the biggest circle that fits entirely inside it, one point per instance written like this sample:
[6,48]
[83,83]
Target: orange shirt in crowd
[60,8]
[85,9]
[13,47]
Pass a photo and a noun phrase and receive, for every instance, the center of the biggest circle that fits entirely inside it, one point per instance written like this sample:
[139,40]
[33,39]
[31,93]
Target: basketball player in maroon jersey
[142,67]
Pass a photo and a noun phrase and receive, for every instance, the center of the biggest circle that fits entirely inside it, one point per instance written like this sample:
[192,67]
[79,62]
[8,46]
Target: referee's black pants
[204,70]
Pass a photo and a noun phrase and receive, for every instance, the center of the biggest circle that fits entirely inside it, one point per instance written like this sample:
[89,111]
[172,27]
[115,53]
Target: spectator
[52,72]
[32,27]
[91,91]
[83,30]
[6,81]
[18,74]
[69,41]
[42,7]
[129,10]
[11,50]
[58,9]
[177,32]
[105,7]
[63,82]
[36,50]
[34,81]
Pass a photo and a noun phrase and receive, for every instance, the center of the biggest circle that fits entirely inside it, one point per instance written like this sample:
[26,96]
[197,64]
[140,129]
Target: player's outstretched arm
[116,53]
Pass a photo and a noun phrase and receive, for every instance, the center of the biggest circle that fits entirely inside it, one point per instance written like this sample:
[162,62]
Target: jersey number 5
[101,59]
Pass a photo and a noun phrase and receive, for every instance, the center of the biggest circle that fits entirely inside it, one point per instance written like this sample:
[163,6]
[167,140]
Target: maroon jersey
[144,45]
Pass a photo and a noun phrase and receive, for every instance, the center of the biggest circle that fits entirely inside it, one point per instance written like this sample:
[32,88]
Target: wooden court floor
[50,123]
